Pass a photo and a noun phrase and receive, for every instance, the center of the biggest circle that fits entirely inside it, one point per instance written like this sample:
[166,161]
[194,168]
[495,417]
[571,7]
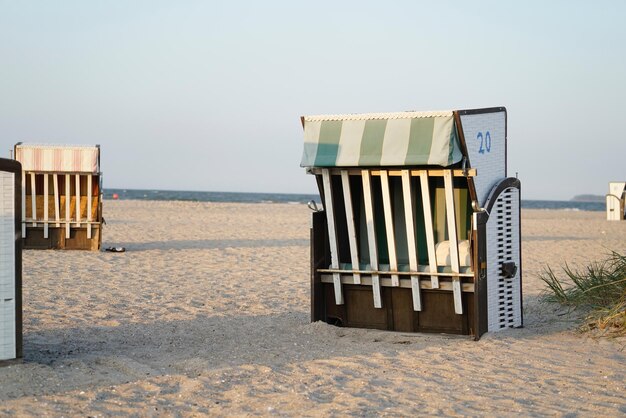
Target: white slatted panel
[454,244]
[391,238]
[57,216]
[503,294]
[89,193]
[354,253]
[7,266]
[332,234]
[615,201]
[78,200]
[68,215]
[7,329]
[7,235]
[45,205]
[428,224]
[33,197]
[23,204]
[371,235]
[410,238]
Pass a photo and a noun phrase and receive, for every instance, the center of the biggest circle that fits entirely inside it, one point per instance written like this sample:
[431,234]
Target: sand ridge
[208,313]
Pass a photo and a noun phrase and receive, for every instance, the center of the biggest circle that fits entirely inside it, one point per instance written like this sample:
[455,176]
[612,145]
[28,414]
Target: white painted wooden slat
[410,238]
[77,199]
[371,236]
[332,234]
[454,242]
[57,209]
[33,197]
[7,329]
[23,204]
[45,205]
[7,243]
[391,237]
[428,224]
[347,196]
[68,197]
[89,192]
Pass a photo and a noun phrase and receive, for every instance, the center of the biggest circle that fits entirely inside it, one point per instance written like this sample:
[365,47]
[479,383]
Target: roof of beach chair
[58,158]
[381,139]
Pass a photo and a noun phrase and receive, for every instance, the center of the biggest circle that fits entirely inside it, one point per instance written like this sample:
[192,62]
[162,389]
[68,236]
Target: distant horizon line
[572,199]
[201,191]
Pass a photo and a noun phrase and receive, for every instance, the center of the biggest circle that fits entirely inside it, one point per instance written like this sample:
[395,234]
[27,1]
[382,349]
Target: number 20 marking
[485,142]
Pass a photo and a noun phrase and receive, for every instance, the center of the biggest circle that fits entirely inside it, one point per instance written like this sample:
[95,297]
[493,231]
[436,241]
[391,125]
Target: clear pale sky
[200,95]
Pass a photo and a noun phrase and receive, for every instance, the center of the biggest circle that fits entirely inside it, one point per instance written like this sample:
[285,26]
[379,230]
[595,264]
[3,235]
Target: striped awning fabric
[381,139]
[58,158]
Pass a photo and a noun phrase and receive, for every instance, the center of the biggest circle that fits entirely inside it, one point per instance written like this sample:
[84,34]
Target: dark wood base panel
[56,239]
[397,314]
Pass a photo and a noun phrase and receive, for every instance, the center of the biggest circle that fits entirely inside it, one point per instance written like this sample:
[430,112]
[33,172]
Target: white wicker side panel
[485,136]
[615,201]
[7,266]
[7,329]
[504,305]
[7,236]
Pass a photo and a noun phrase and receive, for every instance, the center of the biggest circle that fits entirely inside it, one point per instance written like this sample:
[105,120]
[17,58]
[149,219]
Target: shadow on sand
[75,358]
[207,244]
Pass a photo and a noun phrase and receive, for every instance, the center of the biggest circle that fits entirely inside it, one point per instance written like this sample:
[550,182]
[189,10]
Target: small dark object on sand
[115,249]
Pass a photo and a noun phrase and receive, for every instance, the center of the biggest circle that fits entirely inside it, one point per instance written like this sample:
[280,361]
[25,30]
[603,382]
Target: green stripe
[372,142]
[440,222]
[309,153]
[328,145]
[454,153]
[461,206]
[420,140]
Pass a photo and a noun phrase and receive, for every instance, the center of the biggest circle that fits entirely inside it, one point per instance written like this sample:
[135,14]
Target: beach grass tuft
[599,290]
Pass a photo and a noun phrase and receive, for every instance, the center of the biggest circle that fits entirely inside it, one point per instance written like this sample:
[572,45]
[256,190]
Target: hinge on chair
[313,206]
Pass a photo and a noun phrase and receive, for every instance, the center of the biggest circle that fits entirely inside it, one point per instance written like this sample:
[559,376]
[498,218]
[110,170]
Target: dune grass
[599,291]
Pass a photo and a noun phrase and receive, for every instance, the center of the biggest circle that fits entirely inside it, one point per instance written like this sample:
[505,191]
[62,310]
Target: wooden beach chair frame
[62,208]
[616,201]
[397,208]
[10,262]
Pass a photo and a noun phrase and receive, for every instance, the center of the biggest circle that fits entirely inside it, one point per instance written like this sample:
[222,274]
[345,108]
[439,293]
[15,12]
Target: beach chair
[420,228]
[61,196]
[10,262]
[616,201]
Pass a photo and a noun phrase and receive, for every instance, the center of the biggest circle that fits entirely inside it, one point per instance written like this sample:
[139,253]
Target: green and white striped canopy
[381,139]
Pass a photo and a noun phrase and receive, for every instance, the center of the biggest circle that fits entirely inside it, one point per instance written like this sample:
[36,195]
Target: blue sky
[199,95]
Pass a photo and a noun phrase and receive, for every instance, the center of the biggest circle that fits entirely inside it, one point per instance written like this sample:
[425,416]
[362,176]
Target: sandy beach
[207,313]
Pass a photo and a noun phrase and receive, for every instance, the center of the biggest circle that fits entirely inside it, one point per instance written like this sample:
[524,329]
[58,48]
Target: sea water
[234,197]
